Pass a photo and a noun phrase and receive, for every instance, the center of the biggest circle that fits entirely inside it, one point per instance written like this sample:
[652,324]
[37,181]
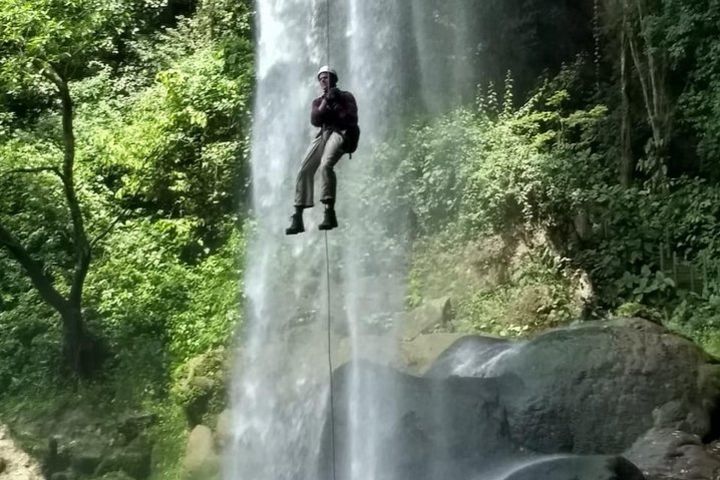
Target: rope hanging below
[329,356]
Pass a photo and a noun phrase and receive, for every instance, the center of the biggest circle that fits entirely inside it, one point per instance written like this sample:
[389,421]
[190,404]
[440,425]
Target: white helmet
[327,69]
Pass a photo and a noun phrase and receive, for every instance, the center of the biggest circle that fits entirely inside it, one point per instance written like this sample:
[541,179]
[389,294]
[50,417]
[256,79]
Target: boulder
[597,387]
[200,461]
[588,467]
[223,428]
[3,465]
[667,453]
[427,317]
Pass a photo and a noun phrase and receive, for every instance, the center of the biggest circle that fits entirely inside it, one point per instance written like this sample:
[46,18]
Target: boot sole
[327,227]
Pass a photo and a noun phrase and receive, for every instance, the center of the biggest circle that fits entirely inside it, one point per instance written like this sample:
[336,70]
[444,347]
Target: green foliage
[46,34]
[160,171]
[633,229]
[528,167]
[434,166]
[161,127]
[136,292]
[169,438]
[44,41]
[499,168]
[634,309]
[691,34]
[546,167]
[698,316]
[215,306]
[29,345]
[179,147]
[496,286]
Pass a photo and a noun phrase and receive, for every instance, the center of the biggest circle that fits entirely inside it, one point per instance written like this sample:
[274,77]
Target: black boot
[329,220]
[296,226]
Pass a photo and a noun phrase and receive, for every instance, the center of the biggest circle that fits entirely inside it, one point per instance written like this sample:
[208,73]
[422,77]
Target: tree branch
[105,232]
[49,73]
[35,270]
[643,81]
[652,69]
[54,170]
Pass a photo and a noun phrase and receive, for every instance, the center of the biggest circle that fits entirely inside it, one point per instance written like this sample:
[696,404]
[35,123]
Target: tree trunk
[75,341]
[651,72]
[79,347]
[627,162]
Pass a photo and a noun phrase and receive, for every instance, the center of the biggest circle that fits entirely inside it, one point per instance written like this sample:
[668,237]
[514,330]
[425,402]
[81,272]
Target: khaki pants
[324,152]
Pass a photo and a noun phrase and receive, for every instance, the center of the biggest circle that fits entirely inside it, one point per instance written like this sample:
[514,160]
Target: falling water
[391,55]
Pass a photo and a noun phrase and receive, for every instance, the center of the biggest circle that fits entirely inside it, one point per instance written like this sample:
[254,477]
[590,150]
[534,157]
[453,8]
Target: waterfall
[391,54]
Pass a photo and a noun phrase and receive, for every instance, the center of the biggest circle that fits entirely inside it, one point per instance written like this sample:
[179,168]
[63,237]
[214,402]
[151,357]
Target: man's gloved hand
[333,94]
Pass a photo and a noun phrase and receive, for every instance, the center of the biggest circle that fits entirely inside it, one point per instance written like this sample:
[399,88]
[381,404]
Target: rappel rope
[327,277]
[329,357]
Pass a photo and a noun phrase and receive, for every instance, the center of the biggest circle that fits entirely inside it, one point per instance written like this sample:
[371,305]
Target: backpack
[351,138]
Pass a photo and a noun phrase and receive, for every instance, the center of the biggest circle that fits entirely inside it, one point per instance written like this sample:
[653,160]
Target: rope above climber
[335,113]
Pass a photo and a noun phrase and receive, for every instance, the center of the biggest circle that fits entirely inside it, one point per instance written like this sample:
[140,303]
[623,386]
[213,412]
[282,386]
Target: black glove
[332,95]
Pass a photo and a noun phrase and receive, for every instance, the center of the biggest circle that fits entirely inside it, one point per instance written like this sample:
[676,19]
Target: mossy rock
[133,460]
[634,309]
[132,425]
[200,388]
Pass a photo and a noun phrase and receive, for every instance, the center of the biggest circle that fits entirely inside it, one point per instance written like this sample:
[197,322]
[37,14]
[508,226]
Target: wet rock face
[597,387]
[466,435]
[617,400]
[673,454]
[421,438]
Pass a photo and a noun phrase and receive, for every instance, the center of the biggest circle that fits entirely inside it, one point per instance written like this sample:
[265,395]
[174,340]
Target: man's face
[326,81]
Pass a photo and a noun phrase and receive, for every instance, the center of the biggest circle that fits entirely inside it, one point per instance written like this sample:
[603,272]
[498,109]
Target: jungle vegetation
[124,176]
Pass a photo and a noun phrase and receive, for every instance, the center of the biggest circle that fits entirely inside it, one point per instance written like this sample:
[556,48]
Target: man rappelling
[335,112]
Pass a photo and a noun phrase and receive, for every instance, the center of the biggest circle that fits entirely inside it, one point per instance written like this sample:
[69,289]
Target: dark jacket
[340,113]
